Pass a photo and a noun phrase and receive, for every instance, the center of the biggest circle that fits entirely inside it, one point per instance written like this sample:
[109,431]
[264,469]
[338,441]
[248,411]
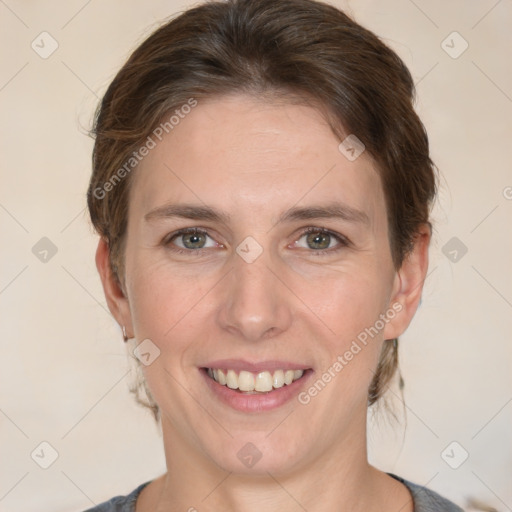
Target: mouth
[254,387]
[253,383]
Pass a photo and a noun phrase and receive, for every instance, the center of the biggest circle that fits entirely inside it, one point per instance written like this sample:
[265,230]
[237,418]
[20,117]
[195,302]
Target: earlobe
[409,282]
[116,300]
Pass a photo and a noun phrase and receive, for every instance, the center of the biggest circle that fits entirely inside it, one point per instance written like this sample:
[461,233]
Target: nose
[256,304]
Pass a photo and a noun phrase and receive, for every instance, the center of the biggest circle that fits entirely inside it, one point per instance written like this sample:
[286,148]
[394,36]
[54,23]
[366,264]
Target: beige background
[64,370]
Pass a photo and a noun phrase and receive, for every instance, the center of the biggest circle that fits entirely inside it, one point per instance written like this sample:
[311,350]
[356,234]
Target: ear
[116,300]
[408,284]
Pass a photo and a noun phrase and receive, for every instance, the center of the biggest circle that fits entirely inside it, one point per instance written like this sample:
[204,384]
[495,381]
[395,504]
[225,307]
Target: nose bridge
[255,304]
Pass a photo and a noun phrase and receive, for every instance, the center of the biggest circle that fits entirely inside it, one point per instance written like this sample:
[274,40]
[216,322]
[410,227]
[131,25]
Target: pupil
[316,238]
[193,238]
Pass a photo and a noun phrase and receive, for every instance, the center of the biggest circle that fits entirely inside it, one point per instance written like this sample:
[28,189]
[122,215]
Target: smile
[254,382]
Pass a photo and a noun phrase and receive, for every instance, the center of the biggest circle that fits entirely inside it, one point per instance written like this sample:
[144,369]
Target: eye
[192,240]
[320,240]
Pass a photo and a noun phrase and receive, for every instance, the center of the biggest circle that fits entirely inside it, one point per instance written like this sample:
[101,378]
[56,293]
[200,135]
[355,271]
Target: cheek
[173,306]
[350,305]
[174,302]
[348,300]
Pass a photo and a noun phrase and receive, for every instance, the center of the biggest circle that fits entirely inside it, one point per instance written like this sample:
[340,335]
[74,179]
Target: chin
[257,454]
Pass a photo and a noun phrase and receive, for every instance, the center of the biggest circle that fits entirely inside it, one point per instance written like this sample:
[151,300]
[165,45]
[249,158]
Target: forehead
[246,155]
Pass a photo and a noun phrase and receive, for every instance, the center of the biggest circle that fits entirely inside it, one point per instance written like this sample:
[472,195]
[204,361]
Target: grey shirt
[425,500]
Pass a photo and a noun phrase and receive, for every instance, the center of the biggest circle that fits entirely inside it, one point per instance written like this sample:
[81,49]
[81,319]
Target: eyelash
[343,241]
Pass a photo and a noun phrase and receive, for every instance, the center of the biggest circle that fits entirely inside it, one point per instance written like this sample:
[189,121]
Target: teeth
[245,381]
[262,382]
[278,380]
[297,374]
[232,379]
[220,378]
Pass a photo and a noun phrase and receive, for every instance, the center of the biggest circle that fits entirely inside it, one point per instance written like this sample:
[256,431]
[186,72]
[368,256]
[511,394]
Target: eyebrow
[198,212]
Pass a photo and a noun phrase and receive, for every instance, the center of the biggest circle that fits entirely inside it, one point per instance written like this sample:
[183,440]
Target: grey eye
[318,240]
[193,240]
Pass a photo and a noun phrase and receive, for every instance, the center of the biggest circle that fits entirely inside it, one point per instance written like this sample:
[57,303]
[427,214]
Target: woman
[262,187]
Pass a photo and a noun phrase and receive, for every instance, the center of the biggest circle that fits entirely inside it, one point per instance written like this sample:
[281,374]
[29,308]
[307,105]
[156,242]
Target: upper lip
[241,364]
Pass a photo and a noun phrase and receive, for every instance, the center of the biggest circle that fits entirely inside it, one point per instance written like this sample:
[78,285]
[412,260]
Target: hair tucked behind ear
[139,386]
[386,370]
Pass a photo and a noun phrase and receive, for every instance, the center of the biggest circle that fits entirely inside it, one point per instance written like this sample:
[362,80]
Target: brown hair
[285,49]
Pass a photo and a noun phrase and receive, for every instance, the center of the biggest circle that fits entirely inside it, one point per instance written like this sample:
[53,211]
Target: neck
[338,479]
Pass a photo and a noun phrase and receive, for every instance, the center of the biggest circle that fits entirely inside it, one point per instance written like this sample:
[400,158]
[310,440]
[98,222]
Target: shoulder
[426,500]
[119,503]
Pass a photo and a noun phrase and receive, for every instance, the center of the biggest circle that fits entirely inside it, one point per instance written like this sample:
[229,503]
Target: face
[256,249]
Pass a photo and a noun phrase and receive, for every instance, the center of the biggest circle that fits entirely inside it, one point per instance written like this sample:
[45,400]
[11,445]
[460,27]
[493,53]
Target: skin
[253,160]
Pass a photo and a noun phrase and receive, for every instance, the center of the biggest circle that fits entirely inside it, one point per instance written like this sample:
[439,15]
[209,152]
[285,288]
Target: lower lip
[256,402]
